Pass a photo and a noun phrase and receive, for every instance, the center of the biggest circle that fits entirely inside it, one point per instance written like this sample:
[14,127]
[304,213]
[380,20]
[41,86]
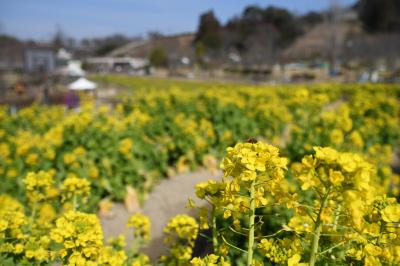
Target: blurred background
[45,45]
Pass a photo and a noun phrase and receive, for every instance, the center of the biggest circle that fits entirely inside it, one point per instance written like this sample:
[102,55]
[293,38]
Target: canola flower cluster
[74,188]
[43,233]
[342,177]
[335,213]
[38,186]
[80,235]
[181,233]
[326,196]
[141,225]
[184,125]
[281,251]
[210,260]
[10,228]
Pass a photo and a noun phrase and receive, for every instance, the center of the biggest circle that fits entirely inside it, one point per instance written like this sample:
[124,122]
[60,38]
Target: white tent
[82,84]
[72,69]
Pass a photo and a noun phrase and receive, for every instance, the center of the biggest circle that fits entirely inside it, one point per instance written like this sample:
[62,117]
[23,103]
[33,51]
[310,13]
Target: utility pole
[334,17]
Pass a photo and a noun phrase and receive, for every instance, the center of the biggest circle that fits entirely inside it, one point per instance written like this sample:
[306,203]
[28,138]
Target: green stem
[32,217]
[274,234]
[335,223]
[237,232]
[331,248]
[251,224]
[74,202]
[317,231]
[232,246]
[214,231]
[136,243]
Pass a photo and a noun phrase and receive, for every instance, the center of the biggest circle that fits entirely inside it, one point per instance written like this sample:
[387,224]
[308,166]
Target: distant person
[46,98]
[20,88]
[71,100]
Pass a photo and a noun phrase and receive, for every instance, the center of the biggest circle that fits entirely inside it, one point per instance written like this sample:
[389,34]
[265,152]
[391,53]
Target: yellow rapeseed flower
[141,225]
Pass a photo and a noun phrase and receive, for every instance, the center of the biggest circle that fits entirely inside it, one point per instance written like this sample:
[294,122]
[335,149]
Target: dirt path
[168,198]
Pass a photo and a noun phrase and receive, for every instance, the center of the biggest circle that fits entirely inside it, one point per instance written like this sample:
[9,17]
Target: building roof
[134,62]
[176,47]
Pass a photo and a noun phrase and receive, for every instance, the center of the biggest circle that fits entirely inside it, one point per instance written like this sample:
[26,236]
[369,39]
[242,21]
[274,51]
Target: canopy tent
[82,84]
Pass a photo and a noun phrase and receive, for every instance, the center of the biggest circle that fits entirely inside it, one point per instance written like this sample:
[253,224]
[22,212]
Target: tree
[158,57]
[199,51]
[271,28]
[208,32]
[285,22]
[380,15]
[253,13]
[311,19]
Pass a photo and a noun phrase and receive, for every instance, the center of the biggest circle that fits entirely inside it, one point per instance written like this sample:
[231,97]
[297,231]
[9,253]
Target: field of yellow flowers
[307,175]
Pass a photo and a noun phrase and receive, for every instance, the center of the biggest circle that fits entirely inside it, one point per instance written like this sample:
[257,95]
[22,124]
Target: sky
[39,19]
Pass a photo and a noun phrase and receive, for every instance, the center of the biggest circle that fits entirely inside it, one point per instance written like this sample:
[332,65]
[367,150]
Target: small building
[11,54]
[129,65]
[39,59]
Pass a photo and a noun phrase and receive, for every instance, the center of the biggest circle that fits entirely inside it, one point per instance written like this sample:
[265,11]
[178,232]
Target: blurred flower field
[56,165]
